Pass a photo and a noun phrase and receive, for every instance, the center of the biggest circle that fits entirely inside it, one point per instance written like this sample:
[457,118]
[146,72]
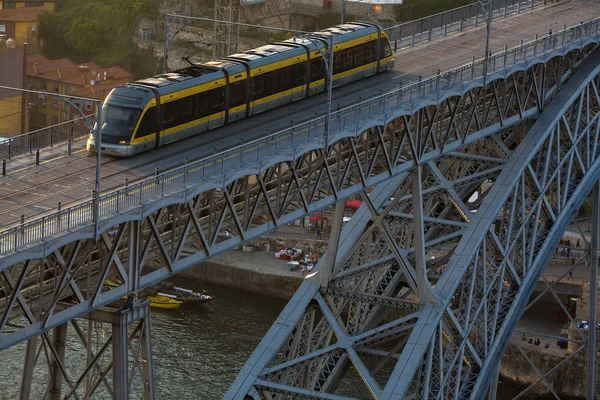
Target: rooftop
[99,91]
[66,71]
[21,14]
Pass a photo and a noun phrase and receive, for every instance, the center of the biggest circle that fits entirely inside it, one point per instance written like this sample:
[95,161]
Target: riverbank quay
[260,272]
[257,272]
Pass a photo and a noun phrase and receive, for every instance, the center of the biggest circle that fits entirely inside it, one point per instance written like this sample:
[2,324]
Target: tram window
[384,48]
[299,74]
[238,93]
[200,105]
[347,57]
[259,86]
[148,124]
[216,101]
[273,82]
[186,110]
[342,61]
[359,56]
[370,52]
[285,79]
[171,114]
[316,69]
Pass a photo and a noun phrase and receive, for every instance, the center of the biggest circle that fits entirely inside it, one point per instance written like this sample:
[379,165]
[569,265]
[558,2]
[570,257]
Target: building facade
[22,24]
[13,108]
[49,5]
[64,77]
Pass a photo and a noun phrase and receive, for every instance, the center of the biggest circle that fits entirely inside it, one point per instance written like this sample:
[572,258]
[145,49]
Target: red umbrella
[353,203]
[317,218]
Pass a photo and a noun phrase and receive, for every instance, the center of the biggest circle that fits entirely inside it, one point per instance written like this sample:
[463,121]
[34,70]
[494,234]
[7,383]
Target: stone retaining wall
[569,380]
[278,286]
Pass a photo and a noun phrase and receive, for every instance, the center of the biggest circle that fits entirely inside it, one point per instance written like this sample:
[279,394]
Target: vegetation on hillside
[410,10]
[97,30]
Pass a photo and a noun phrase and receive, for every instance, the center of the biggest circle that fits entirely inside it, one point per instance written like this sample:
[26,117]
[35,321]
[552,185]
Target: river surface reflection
[198,350]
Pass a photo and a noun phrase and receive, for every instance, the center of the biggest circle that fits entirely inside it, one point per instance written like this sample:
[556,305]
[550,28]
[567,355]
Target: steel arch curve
[447,340]
[311,181]
[552,172]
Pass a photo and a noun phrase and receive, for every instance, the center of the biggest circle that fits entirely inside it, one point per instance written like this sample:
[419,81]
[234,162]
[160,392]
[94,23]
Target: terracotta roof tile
[99,91]
[21,14]
[64,70]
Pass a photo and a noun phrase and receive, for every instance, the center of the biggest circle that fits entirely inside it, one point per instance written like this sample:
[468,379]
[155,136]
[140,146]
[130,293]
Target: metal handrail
[214,168]
[44,138]
[457,19]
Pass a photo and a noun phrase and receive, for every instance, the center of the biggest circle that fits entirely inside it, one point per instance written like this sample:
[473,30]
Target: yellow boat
[169,297]
[160,301]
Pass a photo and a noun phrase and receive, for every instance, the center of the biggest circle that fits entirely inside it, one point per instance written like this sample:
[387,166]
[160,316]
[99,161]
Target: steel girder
[374,331]
[497,265]
[177,236]
[108,339]
[452,139]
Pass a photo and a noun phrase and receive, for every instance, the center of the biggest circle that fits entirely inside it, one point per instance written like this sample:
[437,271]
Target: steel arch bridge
[434,152]
[381,309]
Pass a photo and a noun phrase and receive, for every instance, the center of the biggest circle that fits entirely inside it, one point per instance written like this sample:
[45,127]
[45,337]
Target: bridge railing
[44,138]
[215,168]
[457,19]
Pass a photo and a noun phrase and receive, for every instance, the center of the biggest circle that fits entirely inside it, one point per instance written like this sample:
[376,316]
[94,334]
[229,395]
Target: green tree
[52,33]
[96,30]
[85,34]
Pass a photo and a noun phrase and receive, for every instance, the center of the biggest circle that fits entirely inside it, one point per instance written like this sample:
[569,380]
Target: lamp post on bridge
[94,128]
[489,4]
[327,57]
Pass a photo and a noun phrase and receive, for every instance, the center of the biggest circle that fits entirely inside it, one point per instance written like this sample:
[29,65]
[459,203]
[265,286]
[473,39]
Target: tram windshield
[118,123]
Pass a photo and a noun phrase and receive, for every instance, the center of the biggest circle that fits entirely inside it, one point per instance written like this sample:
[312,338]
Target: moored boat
[165,294]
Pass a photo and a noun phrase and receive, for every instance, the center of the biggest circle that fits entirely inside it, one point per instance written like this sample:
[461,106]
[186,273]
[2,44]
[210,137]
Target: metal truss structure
[432,155]
[384,319]
[226,35]
[117,364]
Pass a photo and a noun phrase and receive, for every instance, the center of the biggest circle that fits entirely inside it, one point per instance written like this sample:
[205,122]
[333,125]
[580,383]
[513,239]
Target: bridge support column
[28,365]
[593,301]
[59,338]
[148,370]
[124,348]
[420,263]
[334,241]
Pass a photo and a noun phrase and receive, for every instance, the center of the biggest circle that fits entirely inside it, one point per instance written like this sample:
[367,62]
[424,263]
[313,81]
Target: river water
[198,350]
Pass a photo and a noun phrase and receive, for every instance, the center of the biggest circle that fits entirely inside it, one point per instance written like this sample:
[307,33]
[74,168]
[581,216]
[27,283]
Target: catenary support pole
[329,92]
[166,55]
[593,301]
[98,140]
[487,41]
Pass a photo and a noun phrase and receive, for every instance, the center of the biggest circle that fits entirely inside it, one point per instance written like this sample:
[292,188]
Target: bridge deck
[31,190]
